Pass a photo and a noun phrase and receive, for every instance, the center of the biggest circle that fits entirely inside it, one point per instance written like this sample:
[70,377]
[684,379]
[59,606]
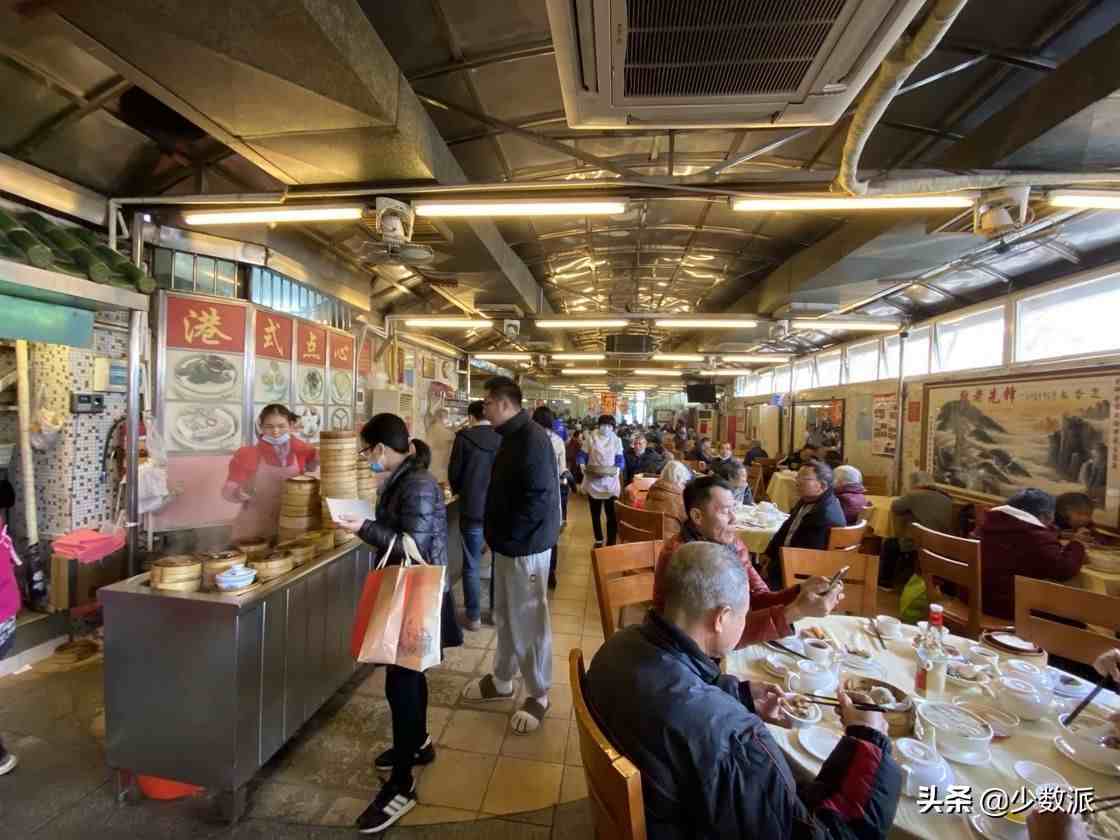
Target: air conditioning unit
[719,63]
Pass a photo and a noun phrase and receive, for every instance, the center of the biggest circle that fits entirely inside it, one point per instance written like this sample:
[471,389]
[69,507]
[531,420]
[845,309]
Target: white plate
[205,427]
[312,385]
[1077,688]
[1036,775]
[992,828]
[812,718]
[774,664]
[1063,746]
[342,387]
[946,779]
[1012,641]
[215,377]
[818,741]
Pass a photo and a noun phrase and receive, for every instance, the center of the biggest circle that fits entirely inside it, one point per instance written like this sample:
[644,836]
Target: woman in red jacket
[1019,538]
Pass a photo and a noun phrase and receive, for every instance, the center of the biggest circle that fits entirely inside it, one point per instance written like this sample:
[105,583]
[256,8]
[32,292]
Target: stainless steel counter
[205,688]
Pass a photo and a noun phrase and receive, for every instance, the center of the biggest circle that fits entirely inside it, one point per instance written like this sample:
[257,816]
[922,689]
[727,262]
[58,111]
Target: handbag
[400,613]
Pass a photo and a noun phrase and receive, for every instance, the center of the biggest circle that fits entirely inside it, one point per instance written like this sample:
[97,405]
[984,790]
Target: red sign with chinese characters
[365,356]
[914,411]
[274,335]
[311,342]
[342,351]
[205,325]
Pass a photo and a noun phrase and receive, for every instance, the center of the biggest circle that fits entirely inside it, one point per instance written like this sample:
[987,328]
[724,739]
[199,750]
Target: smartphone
[836,578]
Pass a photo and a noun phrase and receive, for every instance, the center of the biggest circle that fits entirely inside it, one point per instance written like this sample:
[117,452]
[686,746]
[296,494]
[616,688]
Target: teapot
[1019,697]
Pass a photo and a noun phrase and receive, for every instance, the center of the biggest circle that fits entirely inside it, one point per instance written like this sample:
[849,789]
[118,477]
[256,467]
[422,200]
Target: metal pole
[791,406]
[899,420]
[132,423]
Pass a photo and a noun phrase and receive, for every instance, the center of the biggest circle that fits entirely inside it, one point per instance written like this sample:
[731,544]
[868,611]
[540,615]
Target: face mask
[604,429]
[276,440]
[377,467]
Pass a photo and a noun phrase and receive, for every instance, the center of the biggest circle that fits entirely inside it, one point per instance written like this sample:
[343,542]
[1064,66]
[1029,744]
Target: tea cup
[920,764]
[819,650]
[889,626]
[807,677]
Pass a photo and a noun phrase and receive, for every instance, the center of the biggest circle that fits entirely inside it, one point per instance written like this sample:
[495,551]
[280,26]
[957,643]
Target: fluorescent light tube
[505,207]
[505,357]
[577,357]
[264,215]
[657,372]
[727,372]
[705,323]
[1101,199]
[448,323]
[677,357]
[862,202]
[760,358]
[584,371]
[581,324]
[840,324]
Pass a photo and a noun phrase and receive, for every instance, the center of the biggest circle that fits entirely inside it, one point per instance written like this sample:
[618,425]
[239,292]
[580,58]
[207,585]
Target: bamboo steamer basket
[900,724]
[341,537]
[177,586]
[302,549]
[253,549]
[216,563]
[175,568]
[275,565]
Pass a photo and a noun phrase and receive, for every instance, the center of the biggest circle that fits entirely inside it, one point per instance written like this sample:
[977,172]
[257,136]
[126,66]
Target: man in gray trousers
[522,524]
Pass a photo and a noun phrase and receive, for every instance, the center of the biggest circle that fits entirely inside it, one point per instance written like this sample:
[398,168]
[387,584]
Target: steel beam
[72,114]
[516,53]
[1012,58]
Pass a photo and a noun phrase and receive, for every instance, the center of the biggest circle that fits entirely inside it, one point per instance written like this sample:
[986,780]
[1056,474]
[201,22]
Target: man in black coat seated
[710,767]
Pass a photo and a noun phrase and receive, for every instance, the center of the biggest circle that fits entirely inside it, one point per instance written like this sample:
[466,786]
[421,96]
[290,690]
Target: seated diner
[847,483]
[667,496]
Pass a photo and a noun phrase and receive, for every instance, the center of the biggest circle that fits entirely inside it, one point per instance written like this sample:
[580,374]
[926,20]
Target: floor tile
[567,624]
[574,785]
[572,754]
[590,646]
[520,785]
[344,811]
[457,779]
[564,642]
[559,701]
[546,744]
[476,731]
[564,606]
[560,672]
[436,814]
[462,659]
[445,688]
[479,638]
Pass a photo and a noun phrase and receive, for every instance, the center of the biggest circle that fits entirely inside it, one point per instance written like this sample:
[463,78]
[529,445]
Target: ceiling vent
[719,63]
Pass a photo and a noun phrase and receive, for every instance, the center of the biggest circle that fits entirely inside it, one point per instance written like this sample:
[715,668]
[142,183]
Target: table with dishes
[782,489]
[997,724]
[1101,572]
[756,524]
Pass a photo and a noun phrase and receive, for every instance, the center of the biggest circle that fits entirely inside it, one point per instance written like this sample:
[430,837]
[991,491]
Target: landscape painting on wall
[1060,434]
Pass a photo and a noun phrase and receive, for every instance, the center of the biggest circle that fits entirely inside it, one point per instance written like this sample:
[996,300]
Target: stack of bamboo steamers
[299,507]
[338,471]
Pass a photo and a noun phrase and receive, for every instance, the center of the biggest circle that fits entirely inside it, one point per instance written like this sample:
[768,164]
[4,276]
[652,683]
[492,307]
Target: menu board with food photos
[340,383]
[311,378]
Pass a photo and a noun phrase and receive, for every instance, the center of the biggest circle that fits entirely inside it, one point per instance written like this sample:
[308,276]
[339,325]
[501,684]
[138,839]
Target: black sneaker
[426,755]
[391,803]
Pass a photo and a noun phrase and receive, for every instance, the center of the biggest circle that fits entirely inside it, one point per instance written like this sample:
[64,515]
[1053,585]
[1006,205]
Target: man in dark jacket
[653,458]
[709,766]
[522,524]
[1019,538]
[754,450]
[811,519]
[468,473]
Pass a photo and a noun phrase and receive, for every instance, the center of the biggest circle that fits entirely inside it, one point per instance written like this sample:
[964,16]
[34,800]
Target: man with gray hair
[925,505]
[709,766]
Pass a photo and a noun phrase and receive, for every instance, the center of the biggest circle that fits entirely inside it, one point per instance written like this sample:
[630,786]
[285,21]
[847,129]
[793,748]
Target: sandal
[487,691]
[529,718]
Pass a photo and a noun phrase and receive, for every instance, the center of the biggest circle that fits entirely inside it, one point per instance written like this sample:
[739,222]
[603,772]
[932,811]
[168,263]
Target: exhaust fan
[719,63]
[389,234]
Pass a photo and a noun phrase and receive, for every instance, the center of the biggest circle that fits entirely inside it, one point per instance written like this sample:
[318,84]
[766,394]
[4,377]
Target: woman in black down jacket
[409,502]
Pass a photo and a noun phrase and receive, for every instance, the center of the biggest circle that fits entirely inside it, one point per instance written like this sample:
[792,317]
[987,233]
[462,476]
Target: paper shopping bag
[378,625]
[418,645]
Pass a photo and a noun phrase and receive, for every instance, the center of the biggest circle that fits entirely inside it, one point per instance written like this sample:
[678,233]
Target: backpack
[600,456]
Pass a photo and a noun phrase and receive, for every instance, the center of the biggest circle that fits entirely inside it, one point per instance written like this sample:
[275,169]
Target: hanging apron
[260,515]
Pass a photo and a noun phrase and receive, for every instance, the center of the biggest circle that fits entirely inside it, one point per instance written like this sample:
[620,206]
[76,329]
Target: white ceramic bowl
[1028,672]
[958,730]
[1084,736]
[889,626]
[980,655]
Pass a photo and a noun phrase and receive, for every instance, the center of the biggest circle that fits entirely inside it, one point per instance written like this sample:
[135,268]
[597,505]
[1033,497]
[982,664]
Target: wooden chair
[623,576]
[614,785]
[846,538]
[876,485]
[1081,644]
[943,557]
[861,583]
[638,525]
[756,481]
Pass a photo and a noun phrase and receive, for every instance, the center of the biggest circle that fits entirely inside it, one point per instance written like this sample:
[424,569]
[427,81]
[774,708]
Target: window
[973,341]
[283,294]
[765,383]
[828,369]
[189,273]
[742,386]
[803,375]
[916,362]
[781,380]
[888,368]
[1075,321]
[863,361]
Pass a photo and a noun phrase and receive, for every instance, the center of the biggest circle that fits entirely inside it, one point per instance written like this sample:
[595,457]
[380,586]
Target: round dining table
[782,490]
[1033,741]
[755,534]
[879,516]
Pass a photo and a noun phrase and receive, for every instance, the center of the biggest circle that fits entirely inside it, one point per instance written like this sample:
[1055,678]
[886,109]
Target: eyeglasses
[364,451]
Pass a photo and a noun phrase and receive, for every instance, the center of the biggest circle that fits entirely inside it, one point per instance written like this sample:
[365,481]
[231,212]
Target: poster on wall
[1057,433]
[819,424]
[884,424]
[204,366]
[272,370]
[311,379]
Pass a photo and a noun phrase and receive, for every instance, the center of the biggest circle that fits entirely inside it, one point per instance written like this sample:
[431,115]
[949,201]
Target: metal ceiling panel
[531,86]
[410,31]
[917,297]
[35,40]
[25,105]
[112,152]
[483,26]
[966,282]
[523,154]
[453,89]
[478,160]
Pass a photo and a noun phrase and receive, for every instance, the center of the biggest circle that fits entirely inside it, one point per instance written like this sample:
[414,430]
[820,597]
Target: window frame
[1019,298]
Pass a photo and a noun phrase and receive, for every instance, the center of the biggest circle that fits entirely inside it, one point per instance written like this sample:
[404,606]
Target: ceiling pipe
[896,68]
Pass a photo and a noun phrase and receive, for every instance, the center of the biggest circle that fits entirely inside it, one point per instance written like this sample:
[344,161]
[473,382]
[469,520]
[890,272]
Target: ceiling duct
[714,63]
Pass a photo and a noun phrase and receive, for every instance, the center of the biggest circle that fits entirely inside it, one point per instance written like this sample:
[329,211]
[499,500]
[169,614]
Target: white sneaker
[8,764]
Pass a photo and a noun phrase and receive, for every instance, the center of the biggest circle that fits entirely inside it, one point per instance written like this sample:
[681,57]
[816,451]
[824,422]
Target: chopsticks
[1109,803]
[878,635]
[1088,699]
[834,702]
[787,650]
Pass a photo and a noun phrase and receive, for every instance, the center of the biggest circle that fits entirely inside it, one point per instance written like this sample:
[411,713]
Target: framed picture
[428,367]
[1058,432]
